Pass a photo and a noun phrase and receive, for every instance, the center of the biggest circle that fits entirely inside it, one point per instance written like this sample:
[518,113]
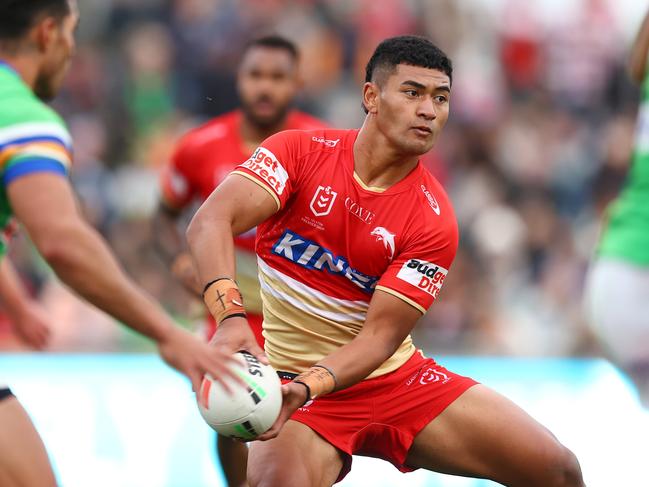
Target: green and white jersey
[33,138]
[626,232]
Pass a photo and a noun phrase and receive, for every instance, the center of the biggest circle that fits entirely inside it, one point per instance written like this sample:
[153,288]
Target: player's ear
[44,33]
[371,97]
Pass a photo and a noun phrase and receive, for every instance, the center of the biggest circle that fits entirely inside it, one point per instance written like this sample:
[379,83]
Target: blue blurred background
[538,142]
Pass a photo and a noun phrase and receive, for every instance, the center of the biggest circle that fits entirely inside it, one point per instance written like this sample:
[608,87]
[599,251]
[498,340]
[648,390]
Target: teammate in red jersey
[267,85]
[355,240]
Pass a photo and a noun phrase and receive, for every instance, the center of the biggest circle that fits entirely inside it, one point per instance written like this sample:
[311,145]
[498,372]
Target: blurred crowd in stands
[541,128]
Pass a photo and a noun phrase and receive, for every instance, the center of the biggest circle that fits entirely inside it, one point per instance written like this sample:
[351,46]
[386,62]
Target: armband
[319,380]
[223,299]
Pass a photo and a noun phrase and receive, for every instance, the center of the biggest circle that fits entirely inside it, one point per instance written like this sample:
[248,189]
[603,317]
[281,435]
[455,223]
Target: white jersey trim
[35,129]
[267,273]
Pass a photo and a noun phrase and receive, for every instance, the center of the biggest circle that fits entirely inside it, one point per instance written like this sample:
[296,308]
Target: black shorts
[5,393]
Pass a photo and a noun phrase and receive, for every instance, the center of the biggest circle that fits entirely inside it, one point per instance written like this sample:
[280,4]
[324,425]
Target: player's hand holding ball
[187,354]
[251,408]
[234,334]
[294,396]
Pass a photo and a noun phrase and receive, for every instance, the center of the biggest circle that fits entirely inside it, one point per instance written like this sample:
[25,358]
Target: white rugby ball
[248,411]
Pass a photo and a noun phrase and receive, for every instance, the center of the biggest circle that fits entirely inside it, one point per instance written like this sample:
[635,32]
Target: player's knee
[278,476]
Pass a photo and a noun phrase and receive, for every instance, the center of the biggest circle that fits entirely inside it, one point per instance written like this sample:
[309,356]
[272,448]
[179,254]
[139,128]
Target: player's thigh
[23,459]
[297,457]
[617,307]
[483,434]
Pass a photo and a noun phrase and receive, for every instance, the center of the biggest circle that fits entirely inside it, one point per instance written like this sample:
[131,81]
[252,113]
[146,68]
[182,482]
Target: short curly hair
[18,16]
[411,50]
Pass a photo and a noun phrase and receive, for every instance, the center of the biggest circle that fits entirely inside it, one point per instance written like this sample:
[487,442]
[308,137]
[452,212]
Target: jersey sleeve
[176,187]
[417,274]
[273,166]
[34,147]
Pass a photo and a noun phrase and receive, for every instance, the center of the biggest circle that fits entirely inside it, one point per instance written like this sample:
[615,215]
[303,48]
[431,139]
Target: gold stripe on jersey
[374,189]
[260,183]
[248,281]
[303,325]
[402,297]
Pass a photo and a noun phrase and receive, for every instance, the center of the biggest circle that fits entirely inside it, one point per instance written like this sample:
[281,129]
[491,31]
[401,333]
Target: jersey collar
[8,67]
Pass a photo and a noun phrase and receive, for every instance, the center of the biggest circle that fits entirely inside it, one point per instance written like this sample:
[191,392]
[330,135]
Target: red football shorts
[380,417]
[254,320]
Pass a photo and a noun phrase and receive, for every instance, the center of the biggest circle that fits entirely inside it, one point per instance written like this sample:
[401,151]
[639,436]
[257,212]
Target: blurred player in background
[36,44]
[267,82]
[354,241]
[617,293]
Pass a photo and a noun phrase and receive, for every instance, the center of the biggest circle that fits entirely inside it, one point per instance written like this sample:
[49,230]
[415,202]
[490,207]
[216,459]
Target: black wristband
[207,286]
[308,391]
[234,315]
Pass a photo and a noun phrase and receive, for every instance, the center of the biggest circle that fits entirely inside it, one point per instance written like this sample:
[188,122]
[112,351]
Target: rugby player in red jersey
[267,84]
[354,241]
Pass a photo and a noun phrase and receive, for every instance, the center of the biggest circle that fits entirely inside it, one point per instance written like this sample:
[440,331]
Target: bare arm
[389,321]
[169,244]
[168,240]
[45,204]
[26,316]
[236,206]
[637,64]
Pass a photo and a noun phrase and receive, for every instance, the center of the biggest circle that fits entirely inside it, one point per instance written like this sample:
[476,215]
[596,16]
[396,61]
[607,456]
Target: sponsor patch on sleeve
[265,165]
[425,276]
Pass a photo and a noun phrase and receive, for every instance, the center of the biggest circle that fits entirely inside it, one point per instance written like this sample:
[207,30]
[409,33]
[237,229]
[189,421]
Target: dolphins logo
[385,236]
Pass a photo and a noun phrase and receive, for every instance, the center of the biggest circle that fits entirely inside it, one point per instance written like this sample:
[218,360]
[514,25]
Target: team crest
[323,200]
[387,237]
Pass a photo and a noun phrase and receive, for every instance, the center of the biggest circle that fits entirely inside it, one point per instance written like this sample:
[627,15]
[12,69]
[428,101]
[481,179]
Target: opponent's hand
[293,397]
[31,325]
[234,334]
[183,269]
[194,358]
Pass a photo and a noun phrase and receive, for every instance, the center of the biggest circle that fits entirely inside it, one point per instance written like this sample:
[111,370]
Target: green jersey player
[617,295]
[36,44]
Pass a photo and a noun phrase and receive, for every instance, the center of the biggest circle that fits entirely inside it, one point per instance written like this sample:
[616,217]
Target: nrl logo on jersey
[323,200]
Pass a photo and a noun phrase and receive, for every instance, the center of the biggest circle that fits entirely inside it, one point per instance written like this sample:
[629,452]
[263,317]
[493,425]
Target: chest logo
[323,200]
[387,237]
[363,214]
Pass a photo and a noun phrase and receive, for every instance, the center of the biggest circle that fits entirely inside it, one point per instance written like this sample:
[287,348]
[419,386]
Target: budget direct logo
[265,165]
[423,275]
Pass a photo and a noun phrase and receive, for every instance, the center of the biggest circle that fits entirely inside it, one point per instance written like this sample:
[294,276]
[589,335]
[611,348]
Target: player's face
[267,84]
[58,52]
[412,107]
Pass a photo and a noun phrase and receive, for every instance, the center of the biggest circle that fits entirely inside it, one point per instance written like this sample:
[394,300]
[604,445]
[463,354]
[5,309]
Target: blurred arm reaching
[45,204]
[639,52]
[169,244]
[236,206]
[27,317]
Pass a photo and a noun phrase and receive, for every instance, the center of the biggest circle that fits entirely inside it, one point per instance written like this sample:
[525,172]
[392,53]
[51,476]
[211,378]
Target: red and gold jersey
[334,241]
[207,154]
[203,158]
